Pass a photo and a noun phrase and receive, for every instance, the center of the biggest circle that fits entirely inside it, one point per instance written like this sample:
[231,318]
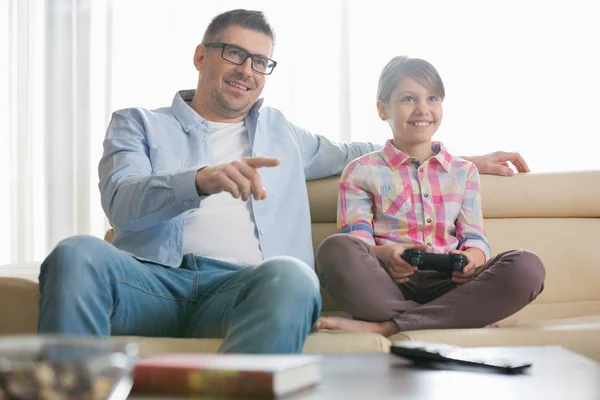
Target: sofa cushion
[574,325]
[578,337]
[563,244]
[320,342]
[555,312]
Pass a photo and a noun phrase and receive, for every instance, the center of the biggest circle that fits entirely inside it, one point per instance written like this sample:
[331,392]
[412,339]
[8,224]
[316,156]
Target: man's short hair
[248,19]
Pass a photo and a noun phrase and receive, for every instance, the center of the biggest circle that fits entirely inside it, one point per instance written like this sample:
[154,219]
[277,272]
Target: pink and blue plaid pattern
[387,197]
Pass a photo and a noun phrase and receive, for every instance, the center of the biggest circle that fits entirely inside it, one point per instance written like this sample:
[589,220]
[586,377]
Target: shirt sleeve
[355,204]
[133,197]
[322,157]
[469,224]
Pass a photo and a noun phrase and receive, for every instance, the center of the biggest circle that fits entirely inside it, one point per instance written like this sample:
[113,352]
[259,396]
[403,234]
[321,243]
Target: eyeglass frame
[249,55]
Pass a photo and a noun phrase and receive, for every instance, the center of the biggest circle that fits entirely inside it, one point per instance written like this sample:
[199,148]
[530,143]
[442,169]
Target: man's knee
[288,281]
[73,257]
[289,272]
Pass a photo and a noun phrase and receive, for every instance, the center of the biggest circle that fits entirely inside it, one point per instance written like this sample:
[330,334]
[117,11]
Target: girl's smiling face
[413,111]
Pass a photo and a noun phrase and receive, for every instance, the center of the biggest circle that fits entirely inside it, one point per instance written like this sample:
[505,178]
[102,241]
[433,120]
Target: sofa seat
[535,313]
[580,335]
[320,342]
[573,325]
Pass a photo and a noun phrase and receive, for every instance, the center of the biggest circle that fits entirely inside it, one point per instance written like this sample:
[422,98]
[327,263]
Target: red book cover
[226,374]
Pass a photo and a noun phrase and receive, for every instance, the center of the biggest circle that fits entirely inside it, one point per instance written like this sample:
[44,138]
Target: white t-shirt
[223,227]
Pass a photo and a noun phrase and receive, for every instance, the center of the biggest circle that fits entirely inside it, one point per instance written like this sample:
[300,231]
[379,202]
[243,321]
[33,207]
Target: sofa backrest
[555,215]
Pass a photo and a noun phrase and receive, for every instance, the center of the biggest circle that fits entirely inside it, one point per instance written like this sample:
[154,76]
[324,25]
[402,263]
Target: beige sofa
[555,215]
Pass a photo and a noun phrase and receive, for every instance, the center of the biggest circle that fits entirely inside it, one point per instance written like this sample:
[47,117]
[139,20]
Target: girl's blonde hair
[405,67]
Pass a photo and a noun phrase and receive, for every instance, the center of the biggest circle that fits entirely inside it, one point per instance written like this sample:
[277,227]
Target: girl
[414,194]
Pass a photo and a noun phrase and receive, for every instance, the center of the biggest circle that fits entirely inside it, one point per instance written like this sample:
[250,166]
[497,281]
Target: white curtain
[55,106]
[519,75]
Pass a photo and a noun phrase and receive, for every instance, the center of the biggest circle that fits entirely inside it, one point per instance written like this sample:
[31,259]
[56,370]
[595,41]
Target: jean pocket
[396,199]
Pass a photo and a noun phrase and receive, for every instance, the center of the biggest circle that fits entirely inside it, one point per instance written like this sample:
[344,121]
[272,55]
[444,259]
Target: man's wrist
[197,181]
[184,190]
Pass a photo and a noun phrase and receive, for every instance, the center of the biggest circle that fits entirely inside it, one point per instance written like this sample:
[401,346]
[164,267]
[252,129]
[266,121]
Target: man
[205,246]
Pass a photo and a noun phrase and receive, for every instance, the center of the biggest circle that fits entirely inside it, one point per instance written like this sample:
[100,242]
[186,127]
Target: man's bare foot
[387,328]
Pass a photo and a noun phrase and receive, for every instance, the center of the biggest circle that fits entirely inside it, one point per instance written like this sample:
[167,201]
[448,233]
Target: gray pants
[356,279]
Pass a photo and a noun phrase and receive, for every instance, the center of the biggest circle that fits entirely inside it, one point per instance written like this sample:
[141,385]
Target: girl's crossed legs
[356,279]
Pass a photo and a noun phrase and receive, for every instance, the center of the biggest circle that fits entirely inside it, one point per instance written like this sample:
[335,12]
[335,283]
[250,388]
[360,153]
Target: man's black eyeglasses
[237,55]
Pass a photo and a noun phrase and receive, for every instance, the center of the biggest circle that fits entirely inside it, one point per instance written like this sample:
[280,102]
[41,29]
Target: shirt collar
[395,158]
[190,119]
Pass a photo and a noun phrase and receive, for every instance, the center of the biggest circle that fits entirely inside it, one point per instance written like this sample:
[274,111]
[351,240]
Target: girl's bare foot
[387,328]
[494,325]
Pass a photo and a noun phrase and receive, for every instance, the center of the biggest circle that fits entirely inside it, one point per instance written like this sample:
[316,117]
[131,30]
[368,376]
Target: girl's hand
[391,255]
[471,270]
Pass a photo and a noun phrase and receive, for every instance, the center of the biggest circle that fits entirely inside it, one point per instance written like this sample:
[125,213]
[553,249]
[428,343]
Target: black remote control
[434,262]
[452,357]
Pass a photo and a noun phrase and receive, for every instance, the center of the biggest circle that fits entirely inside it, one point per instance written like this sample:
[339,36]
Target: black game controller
[434,262]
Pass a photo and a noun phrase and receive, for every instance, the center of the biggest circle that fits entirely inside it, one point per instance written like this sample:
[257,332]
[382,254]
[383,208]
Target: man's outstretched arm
[134,197]
[498,163]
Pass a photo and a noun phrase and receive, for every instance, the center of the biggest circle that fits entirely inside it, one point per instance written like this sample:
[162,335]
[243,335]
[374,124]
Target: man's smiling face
[229,91]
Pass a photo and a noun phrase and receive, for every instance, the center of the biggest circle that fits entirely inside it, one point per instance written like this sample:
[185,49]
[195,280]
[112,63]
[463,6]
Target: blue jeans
[89,287]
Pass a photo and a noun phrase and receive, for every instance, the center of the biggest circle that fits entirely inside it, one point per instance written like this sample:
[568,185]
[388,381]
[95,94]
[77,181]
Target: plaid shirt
[387,197]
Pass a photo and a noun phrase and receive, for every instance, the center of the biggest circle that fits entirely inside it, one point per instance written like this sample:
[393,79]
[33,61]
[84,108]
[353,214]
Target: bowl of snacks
[65,367]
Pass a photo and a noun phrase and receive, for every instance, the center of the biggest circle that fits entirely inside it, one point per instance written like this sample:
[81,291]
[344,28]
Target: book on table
[226,374]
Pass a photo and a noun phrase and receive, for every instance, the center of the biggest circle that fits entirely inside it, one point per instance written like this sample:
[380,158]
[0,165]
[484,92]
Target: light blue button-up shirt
[147,178]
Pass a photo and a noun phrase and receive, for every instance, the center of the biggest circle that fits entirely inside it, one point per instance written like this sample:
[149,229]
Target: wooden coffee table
[556,374]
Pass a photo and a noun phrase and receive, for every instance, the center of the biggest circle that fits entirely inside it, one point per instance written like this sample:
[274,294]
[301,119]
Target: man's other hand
[240,178]
[497,163]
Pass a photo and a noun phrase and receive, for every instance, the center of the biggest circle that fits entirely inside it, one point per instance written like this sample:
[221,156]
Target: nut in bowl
[63,367]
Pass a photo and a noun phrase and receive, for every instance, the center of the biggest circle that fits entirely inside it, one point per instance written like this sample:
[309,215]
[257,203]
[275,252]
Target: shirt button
[186,204]
[262,231]
[188,127]
[428,220]
[420,169]
[429,244]
[426,195]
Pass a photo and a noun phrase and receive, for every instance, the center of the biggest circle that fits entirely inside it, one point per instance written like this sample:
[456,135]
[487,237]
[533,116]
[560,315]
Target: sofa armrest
[19,306]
